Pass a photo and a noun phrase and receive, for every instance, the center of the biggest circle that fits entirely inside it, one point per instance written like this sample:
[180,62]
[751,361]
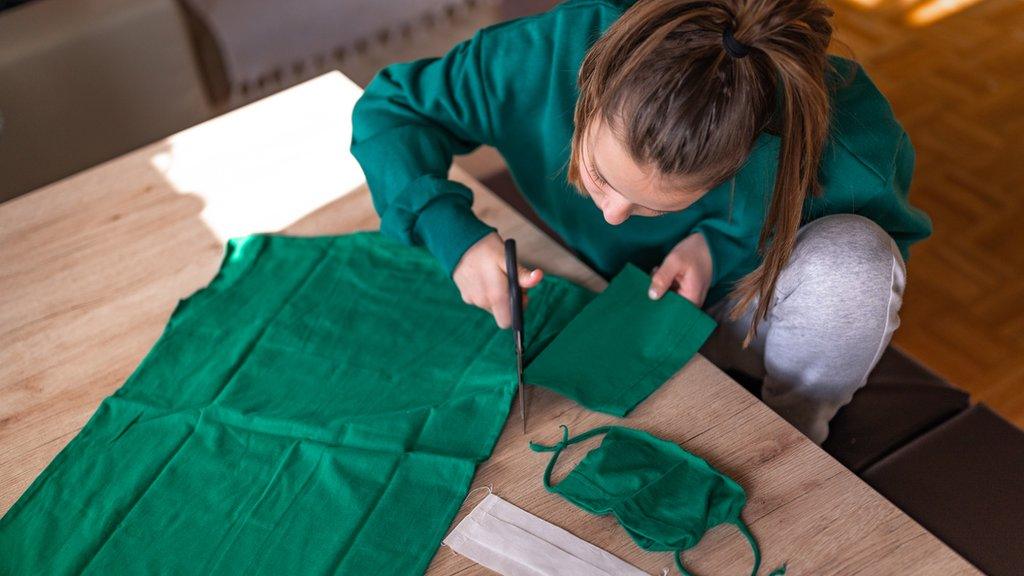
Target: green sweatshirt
[513,86]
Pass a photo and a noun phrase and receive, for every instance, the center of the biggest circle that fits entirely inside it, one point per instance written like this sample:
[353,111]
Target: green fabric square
[622,346]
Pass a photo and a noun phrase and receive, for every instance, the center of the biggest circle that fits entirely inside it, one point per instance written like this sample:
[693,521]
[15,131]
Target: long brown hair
[685,103]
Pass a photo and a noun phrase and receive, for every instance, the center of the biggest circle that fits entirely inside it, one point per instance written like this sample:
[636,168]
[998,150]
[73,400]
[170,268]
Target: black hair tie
[734,47]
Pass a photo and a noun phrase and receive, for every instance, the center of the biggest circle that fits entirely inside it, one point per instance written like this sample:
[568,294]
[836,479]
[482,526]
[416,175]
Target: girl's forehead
[614,162]
[610,158]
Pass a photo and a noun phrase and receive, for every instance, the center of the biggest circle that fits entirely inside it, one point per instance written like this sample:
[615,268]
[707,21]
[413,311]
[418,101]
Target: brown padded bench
[956,469]
[963,481]
[901,401]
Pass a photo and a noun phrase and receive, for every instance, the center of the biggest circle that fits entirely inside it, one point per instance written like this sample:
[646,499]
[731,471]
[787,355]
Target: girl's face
[620,188]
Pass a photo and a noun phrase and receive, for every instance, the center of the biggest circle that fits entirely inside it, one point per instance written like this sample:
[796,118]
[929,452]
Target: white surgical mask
[514,542]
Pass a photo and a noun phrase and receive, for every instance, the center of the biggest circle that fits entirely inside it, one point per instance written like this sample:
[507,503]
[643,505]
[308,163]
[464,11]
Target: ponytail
[794,37]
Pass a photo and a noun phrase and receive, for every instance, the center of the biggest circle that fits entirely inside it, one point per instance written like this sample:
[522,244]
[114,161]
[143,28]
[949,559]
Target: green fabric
[513,86]
[622,346]
[319,408]
[663,496]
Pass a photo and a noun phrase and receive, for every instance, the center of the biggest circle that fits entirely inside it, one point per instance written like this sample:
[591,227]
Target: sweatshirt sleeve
[732,245]
[733,241]
[891,208]
[410,121]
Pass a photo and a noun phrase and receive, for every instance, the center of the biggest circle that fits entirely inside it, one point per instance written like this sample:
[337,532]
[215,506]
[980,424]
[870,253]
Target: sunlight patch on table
[263,189]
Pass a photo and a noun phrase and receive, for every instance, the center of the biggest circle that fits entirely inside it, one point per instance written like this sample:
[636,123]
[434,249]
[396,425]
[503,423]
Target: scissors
[515,295]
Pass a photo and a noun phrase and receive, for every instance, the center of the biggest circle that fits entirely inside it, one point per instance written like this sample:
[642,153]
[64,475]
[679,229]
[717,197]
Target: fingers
[530,278]
[501,310]
[493,297]
[499,302]
[661,280]
[501,305]
[691,289]
[490,292]
[483,282]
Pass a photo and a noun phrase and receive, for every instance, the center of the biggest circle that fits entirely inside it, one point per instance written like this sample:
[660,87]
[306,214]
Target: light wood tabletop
[92,266]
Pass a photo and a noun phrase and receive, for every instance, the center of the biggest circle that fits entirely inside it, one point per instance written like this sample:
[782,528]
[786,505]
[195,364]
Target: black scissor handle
[515,292]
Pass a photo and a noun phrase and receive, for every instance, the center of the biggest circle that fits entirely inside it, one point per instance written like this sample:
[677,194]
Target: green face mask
[665,497]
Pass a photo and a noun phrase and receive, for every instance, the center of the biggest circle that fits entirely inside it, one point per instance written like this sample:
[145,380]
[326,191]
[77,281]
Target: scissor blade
[522,383]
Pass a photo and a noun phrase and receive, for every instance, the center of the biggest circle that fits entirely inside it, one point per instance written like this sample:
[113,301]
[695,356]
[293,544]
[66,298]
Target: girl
[712,142]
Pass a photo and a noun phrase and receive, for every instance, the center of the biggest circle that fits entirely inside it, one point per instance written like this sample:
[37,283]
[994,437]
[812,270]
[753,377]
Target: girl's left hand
[686,270]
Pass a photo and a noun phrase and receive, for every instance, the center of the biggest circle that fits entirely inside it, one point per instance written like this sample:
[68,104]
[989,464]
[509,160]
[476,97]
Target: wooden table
[92,266]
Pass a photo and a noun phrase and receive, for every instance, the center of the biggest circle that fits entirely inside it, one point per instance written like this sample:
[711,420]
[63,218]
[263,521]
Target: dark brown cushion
[964,481]
[900,401]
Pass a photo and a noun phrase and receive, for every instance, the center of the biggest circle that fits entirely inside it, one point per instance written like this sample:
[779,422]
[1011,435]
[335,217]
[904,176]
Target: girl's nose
[616,210]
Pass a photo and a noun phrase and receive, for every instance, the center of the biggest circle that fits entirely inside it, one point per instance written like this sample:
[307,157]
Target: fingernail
[652,294]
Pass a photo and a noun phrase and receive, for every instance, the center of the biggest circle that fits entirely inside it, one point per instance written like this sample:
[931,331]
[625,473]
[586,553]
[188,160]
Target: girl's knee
[846,254]
[856,231]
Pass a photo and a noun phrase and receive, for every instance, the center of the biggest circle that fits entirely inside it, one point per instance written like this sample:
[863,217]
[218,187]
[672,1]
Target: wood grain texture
[92,266]
[954,72]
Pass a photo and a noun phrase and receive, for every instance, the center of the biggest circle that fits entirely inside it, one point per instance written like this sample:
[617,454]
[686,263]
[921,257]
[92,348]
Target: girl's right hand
[482,281]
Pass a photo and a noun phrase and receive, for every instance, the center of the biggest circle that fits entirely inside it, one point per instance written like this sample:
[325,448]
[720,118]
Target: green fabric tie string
[742,526]
[557,448]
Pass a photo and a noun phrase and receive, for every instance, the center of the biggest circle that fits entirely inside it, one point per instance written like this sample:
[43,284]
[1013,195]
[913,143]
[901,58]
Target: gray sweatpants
[835,308]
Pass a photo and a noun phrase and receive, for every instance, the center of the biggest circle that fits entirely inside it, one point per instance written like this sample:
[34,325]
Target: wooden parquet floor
[956,81]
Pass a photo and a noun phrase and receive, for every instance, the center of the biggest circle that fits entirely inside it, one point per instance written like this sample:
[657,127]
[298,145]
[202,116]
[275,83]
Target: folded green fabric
[622,346]
[319,408]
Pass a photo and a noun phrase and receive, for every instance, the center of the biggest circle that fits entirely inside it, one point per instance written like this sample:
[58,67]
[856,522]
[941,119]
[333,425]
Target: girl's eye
[598,178]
